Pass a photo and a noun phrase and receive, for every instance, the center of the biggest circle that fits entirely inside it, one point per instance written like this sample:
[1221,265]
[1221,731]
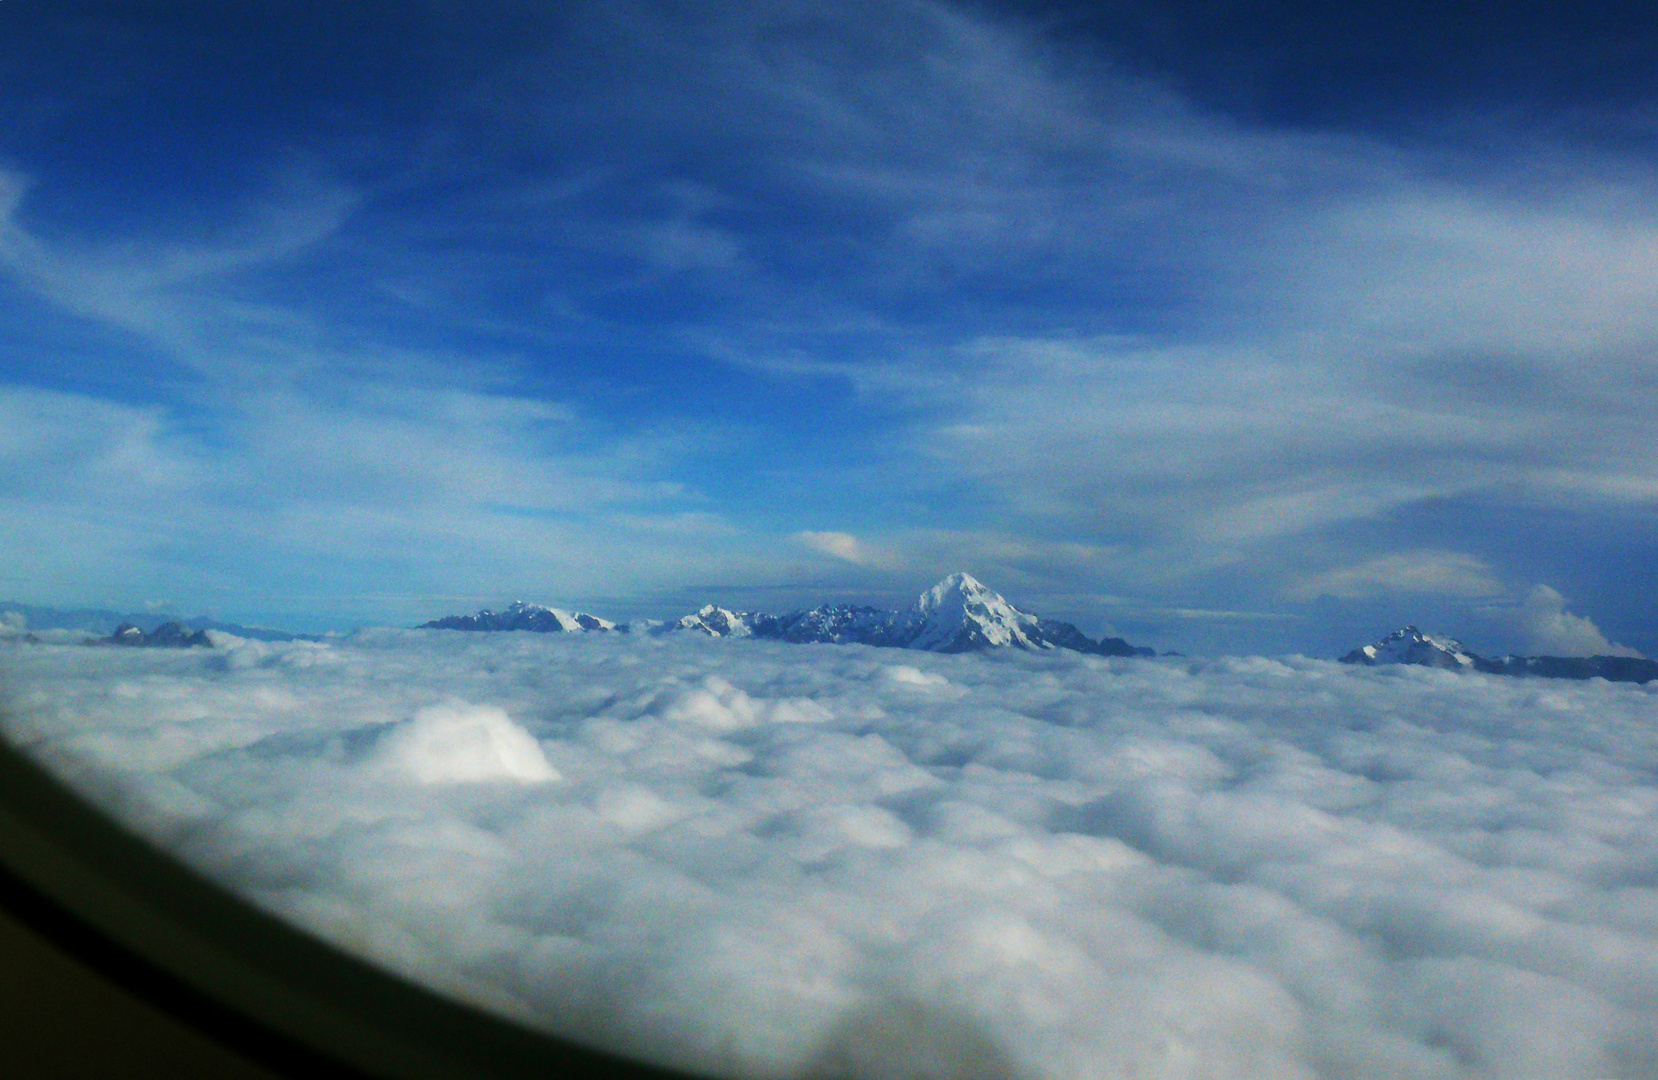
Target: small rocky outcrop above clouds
[1411,646]
[169,635]
[523,616]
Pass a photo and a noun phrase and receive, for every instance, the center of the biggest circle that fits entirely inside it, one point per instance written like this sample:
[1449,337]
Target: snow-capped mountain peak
[573,622]
[521,615]
[961,584]
[961,613]
[720,622]
[1411,646]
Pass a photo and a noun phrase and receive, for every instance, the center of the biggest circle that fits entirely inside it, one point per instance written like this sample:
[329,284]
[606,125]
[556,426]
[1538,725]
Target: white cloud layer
[1553,630]
[760,859]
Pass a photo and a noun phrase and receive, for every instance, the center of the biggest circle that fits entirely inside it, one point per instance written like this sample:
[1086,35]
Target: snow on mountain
[524,616]
[962,614]
[721,622]
[840,623]
[1411,646]
[959,614]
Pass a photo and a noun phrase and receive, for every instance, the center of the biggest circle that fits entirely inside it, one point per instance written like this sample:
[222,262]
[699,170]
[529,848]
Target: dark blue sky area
[1238,326]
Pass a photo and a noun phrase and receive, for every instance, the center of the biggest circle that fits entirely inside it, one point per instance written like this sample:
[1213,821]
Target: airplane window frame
[268,991]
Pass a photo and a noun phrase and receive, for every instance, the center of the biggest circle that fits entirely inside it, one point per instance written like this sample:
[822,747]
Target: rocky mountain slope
[169,635]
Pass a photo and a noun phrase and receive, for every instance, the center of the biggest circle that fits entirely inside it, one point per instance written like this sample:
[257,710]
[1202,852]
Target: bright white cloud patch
[840,545]
[765,859]
[1555,631]
[456,743]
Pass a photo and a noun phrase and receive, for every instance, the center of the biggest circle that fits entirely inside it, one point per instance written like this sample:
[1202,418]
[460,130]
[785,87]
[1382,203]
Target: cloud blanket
[754,858]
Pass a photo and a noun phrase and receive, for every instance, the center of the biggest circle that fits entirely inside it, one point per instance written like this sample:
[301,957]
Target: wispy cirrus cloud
[911,271]
[1445,573]
[297,464]
[144,286]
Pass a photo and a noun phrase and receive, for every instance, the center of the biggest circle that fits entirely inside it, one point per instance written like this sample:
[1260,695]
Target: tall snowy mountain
[959,614]
[1411,646]
[522,616]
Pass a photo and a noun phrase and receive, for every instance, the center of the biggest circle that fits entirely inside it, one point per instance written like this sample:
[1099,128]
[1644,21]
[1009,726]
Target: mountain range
[100,621]
[1411,646]
[959,614]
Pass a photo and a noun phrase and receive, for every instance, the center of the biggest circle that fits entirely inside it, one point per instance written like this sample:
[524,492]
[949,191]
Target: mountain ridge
[958,614]
[521,615]
[1409,646]
[104,620]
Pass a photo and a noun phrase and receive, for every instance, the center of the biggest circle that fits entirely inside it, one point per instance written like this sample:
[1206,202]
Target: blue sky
[1247,329]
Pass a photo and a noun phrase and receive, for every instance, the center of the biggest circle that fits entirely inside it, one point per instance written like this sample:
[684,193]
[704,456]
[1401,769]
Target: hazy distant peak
[1411,646]
[1408,645]
[522,615]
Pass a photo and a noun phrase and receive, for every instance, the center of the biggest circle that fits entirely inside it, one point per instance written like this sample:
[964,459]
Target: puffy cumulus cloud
[1438,573]
[763,859]
[458,743]
[1553,630]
